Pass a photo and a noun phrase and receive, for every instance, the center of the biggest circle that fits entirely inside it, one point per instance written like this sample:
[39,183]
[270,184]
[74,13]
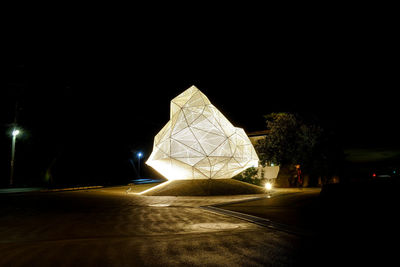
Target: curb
[256,220]
[71,188]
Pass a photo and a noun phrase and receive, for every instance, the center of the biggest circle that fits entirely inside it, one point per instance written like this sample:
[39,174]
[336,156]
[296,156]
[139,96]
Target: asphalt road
[346,224]
[297,209]
[108,227]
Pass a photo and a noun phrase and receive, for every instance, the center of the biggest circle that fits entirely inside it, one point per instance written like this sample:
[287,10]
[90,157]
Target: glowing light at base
[268,186]
[154,188]
[198,142]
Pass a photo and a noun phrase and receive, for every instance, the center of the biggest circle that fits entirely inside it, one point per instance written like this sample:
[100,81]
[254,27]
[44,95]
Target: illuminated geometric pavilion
[198,142]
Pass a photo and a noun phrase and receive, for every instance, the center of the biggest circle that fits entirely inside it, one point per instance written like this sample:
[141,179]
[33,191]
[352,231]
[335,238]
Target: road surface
[108,227]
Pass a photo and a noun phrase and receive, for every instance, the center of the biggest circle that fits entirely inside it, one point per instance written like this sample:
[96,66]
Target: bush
[249,176]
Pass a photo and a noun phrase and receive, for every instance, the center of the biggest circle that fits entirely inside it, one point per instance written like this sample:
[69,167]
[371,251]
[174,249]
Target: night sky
[93,97]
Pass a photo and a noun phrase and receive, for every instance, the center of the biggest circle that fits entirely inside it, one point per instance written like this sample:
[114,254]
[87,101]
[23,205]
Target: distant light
[15,132]
[139,154]
[374,175]
[272,164]
[394,172]
[268,186]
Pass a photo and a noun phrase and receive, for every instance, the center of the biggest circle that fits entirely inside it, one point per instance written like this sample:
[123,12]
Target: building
[267,172]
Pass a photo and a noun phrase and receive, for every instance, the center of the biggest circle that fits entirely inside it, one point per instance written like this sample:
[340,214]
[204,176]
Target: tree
[291,140]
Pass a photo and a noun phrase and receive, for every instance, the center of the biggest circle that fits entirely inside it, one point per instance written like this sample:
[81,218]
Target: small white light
[15,132]
[268,186]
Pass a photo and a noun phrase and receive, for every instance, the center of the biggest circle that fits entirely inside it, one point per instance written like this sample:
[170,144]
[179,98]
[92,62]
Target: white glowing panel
[198,142]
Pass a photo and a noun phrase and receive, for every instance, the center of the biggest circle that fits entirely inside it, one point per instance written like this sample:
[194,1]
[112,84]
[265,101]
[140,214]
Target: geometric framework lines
[198,142]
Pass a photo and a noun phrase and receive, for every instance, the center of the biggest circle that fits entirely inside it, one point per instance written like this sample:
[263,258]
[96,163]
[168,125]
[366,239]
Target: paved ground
[354,225]
[108,227]
[297,208]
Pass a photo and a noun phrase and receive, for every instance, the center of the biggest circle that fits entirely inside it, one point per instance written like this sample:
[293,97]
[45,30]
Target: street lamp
[14,134]
[268,187]
[139,155]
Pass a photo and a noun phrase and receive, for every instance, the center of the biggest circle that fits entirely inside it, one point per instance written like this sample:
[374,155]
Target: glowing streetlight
[14,134]
[268,186]
[139,155]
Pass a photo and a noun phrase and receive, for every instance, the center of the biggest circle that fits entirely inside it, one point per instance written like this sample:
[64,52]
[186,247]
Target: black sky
[107,88]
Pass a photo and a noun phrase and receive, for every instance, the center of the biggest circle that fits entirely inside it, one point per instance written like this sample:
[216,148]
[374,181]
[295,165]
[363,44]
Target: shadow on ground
[353,223]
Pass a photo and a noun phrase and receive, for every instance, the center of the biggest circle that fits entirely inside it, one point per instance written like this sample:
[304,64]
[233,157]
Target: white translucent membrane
[198,142]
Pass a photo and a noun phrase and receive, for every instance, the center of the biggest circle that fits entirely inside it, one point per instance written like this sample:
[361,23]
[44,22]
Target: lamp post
[139,155]
[14,133]
[268,187]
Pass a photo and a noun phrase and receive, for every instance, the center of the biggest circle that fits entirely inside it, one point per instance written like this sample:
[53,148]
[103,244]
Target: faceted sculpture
[198,142]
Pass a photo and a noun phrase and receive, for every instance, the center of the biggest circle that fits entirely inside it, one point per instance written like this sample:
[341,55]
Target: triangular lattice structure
[198,142]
